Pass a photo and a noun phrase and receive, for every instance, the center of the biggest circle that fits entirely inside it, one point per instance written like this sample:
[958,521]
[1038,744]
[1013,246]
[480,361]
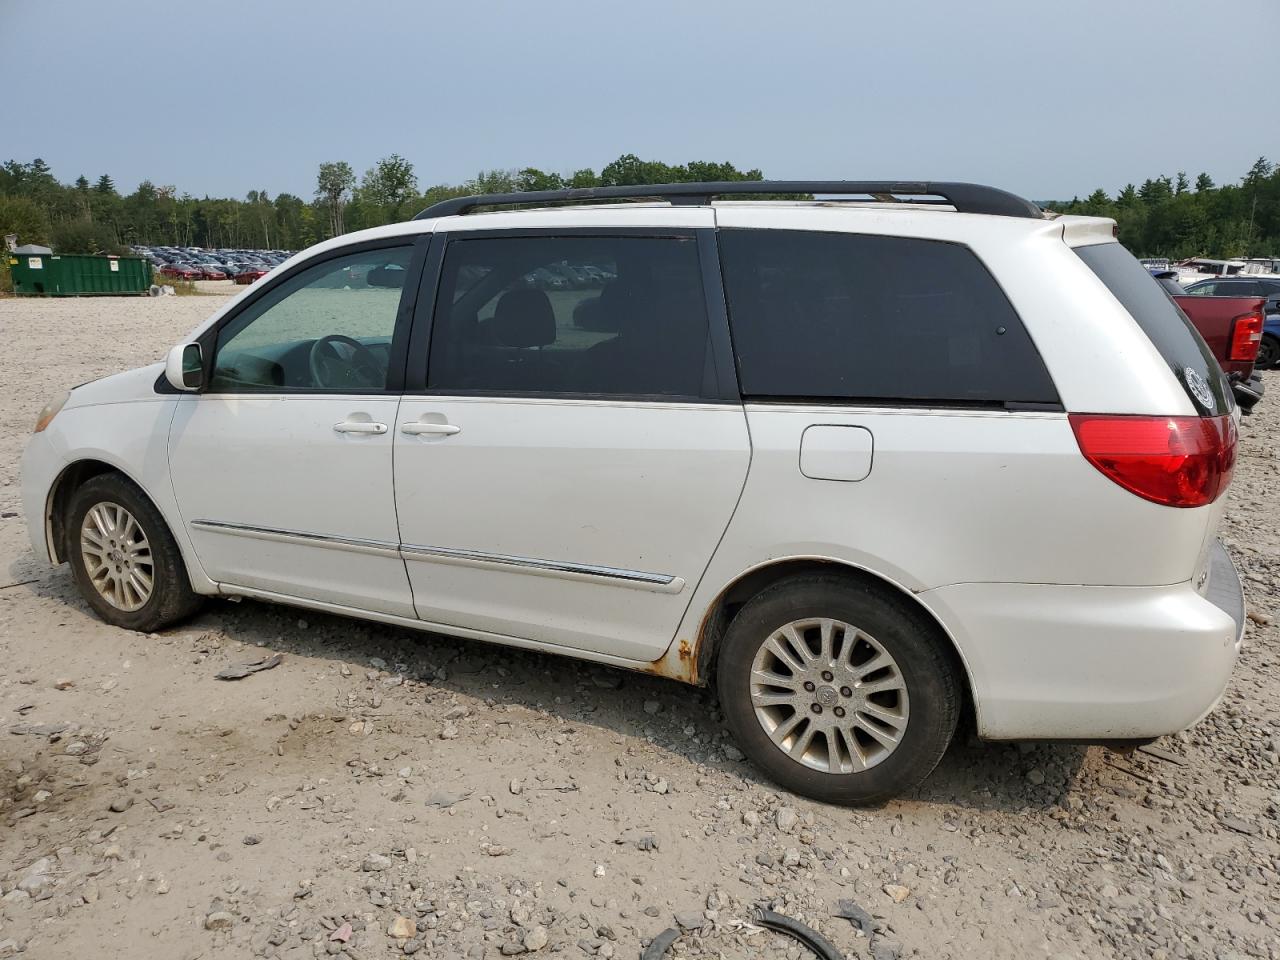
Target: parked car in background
[249,274]
[210,272]
[1232,328]
[863,466]
[180,271]
[1252,286]
[1269,348]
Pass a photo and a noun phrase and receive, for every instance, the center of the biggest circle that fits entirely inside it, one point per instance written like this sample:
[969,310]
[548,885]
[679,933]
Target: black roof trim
[965,197]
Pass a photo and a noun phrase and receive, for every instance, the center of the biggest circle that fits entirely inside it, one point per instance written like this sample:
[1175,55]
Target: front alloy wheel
[117,556]
[123,557]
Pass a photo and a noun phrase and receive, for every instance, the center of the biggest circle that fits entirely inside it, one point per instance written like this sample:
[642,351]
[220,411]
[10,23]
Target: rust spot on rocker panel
[680,664]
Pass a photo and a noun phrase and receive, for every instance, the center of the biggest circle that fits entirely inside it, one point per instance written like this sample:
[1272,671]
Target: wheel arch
[73,476]
[750,582]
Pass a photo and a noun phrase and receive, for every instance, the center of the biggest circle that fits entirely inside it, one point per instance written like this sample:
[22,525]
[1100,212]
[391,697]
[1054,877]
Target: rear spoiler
[1086,231]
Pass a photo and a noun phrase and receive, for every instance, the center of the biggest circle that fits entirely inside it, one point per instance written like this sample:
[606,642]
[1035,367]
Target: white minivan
[863,463]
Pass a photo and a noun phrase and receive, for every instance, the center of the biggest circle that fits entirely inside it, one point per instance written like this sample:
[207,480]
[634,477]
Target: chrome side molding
[619,577]
[384,548]
[614,576]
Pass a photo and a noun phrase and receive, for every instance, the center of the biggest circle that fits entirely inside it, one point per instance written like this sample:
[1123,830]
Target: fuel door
[831,452]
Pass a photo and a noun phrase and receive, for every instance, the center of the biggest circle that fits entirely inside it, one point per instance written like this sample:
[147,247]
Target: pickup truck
[1232,327]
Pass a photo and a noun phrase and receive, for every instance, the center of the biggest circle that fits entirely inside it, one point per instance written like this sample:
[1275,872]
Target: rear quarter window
[1164,323]
[849,317]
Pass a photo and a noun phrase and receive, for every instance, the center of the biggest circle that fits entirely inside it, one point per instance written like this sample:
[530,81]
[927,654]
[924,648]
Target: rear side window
[589,316]
[1163,322]
[836,316]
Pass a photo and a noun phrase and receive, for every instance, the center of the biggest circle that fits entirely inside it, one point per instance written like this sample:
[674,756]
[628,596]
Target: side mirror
[184,367]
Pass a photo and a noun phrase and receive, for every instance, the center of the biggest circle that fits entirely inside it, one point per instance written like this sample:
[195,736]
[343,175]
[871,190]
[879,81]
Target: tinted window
[326,329]
[843,316]
[572,315]
[1159,317]
[1207,288]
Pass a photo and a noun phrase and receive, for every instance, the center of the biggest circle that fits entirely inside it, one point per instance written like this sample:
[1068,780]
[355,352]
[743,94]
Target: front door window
[326,330]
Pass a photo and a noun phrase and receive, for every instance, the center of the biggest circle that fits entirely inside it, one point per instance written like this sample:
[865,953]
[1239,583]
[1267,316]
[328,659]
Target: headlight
[50,411]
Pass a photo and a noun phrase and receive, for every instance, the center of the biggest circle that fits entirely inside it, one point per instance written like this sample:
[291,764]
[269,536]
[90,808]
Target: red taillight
[1246,334]
[1175,461]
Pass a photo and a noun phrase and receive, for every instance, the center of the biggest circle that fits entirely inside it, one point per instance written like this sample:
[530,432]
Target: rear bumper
[1248,392]
[1061,662]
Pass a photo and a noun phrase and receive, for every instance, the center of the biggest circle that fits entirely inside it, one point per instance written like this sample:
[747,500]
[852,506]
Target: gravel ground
[425,795]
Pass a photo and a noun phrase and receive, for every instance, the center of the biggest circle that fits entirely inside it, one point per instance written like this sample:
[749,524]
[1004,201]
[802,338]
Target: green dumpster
[75,275]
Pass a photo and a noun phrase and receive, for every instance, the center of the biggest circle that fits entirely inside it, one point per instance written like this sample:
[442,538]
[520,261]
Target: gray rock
[536,938]
[121,804]
[786,819]
[375,863]
[652,707]
[219,920]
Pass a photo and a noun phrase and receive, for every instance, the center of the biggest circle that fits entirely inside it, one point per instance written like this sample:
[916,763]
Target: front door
[282,466]
[576,449]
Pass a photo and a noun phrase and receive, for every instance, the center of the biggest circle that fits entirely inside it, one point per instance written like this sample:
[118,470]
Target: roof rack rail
[965,197]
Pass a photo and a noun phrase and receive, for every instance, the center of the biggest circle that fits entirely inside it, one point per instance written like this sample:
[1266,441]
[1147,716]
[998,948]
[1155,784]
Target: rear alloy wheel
[837,689]
[1268,353]
[829,695]
[123,557]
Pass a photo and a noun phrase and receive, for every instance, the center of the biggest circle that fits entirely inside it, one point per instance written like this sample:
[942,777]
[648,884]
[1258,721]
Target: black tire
[172,598]
[1268,352]
[905,633]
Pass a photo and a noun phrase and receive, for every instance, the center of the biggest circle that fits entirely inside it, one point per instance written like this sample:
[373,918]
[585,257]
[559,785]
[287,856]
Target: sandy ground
[485,802]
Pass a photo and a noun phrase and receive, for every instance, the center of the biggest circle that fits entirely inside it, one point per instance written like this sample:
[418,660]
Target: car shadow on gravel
[680,719]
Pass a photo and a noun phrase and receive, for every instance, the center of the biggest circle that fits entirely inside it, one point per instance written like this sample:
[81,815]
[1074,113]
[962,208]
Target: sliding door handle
[360,426]
[416,428]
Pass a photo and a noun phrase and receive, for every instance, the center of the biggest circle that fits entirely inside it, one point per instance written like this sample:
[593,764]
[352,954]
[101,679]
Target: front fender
[130,437]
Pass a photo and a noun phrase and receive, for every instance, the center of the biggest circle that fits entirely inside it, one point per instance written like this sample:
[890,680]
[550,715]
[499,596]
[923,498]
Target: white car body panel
[290,472]
[1077,609]
[642,490]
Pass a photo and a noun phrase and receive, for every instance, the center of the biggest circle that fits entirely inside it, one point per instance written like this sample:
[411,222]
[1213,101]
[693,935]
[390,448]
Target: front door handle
[415,428]
[360,426]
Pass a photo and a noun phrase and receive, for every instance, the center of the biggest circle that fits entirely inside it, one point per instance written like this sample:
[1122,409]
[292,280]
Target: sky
[1047,98]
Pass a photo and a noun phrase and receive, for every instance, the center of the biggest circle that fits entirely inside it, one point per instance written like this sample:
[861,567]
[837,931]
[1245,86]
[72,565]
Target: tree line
[94,217]
[1178,218]
[1164,216]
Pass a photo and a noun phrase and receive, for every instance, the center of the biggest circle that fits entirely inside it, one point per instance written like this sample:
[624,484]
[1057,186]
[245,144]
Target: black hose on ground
[809,937]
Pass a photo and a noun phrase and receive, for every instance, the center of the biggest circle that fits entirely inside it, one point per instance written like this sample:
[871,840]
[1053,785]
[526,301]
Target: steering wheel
[329,368]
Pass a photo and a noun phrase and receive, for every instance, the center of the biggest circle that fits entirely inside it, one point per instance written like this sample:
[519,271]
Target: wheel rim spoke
[827,630]
[893,682]
[878,733]
[785,728]
[856,757]
[805,684]
[116,555]
[786,656]
[800,745]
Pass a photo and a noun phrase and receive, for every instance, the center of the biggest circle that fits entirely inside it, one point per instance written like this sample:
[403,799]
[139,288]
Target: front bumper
[41,465]
[1069,662]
